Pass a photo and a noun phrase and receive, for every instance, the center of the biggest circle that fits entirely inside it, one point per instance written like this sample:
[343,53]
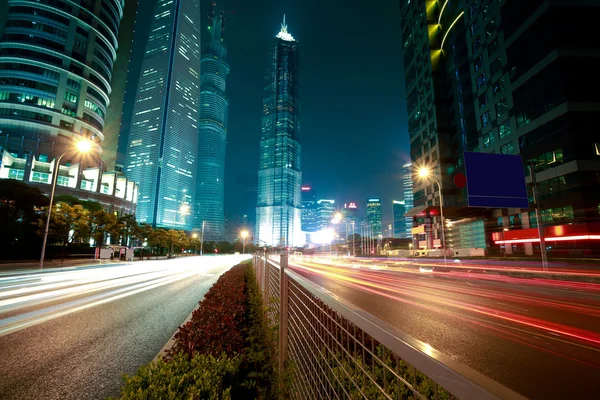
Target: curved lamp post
[425,173]
[83,146]
[244,235]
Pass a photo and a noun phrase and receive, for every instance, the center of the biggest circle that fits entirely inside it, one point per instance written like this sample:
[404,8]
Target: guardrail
[334,349]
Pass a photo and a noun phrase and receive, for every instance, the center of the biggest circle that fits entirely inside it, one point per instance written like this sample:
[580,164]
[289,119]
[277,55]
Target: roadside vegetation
[225,351]
[74,224]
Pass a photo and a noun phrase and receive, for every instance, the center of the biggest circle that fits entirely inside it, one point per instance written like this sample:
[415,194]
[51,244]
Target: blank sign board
[495,181]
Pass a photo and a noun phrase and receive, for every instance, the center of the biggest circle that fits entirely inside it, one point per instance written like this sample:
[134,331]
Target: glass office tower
[163,140]
[214,107]
[407,187]
[279,208]
[373,211]
[56,64]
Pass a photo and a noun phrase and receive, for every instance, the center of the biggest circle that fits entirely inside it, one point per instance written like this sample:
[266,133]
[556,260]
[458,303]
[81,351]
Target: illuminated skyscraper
[407,187]
[373,211]
[399,225]
[163,140]
[309,210]
[278,211]
[213,132]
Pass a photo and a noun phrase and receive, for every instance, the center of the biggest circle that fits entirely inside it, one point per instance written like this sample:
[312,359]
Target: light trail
[447,297]
[73,290]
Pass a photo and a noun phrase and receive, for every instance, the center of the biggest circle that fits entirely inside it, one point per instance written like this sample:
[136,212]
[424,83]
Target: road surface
[71,333]
[538,337]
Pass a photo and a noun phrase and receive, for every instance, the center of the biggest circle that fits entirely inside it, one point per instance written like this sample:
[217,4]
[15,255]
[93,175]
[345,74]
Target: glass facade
[309,210]
[407,188]
[325,210]
[163,139]
[399,209]
[373,211]
[279,208]
[56,62]
[212,136]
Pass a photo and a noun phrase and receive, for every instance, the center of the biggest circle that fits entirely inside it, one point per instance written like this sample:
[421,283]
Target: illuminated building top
[284,34]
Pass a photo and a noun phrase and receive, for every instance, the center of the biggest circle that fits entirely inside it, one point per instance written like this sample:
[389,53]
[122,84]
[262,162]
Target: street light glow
[424,172]
[84,145]
[184,209]
[244,234]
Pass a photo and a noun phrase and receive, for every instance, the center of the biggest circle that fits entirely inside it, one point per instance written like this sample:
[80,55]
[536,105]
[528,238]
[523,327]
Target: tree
[68,224]
[20,209]
[128,228]
[103,224]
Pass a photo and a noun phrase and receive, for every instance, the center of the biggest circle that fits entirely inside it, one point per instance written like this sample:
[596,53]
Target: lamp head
[424,172]
[84,145]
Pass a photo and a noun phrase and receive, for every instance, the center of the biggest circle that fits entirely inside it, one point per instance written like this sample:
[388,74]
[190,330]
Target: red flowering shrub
[217,325]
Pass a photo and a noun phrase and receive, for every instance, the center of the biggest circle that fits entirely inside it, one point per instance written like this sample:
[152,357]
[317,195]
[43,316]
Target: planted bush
[182,377]
[217,325]
[224,351]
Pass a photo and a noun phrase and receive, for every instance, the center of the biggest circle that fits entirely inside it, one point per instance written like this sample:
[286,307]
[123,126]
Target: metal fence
[334,350]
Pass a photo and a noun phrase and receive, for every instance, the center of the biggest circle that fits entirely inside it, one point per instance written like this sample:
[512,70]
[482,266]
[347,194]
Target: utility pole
[538,216]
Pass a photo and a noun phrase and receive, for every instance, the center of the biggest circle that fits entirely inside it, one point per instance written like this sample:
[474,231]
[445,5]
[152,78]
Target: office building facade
[163,138]
[502,77]
[279,208]
[309,210]
[407,191]
[399,223]
[56,64]
[214,107]
[373,217]
[325,211]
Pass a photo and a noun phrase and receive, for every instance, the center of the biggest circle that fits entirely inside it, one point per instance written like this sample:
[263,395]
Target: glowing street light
[425,173]
[82,146]
[244,235]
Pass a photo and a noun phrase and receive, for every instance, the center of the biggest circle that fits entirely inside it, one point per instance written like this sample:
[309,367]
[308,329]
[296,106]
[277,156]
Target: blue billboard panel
[495,181]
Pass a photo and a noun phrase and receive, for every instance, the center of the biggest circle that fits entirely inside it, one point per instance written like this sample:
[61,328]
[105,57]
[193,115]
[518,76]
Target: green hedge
[182,377]
[225,350]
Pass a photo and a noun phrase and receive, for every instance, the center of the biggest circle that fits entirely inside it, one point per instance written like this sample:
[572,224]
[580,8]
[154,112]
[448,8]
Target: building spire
[283,33]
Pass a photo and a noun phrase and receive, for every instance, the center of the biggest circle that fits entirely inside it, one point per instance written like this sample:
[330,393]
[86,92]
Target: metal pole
[353,240]
[47,228]
[244,246]
[202,240]
[266,281]
[442,218]
[538,216]
[283,316]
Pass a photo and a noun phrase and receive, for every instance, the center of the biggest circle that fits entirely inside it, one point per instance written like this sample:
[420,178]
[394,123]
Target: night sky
[353,114]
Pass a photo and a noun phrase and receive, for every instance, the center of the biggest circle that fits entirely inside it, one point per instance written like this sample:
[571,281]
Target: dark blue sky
[353,115]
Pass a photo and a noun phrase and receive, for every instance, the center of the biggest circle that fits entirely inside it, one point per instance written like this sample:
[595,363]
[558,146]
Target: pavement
[537,336]
[70,333]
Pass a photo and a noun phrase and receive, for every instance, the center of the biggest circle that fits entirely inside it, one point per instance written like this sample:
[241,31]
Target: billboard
[495,181]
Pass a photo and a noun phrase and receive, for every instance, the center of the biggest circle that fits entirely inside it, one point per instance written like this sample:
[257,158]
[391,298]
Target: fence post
[283,316]
[266,281]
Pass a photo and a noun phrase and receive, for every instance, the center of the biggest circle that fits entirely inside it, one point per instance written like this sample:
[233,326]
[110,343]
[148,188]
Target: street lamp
[195,236]
[82,146]
[244,235]
[425,173]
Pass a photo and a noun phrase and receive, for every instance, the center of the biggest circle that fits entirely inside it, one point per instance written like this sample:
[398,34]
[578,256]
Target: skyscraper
[278,211]
[163,139]
[325,210]
[114,111]
[399,225]
[213,132]
[407,187]
[309,210]
[56,69]
[56,65]
[502,77]
[373,211]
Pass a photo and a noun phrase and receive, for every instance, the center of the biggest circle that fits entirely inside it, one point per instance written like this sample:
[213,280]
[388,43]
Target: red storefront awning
[555,233]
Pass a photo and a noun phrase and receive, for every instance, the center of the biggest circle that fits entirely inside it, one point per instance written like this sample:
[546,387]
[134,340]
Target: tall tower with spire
[212,131]
[279,205]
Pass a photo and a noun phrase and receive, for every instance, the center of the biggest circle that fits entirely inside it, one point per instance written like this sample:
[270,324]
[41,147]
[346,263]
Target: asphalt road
[72,333]
[539,337]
